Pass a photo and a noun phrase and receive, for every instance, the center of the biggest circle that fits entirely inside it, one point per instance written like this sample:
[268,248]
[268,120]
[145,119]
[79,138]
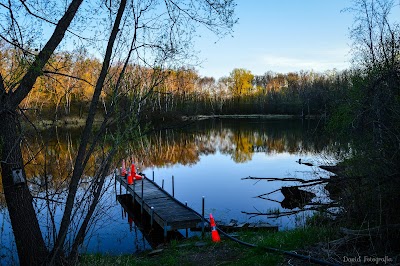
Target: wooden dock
[162,207]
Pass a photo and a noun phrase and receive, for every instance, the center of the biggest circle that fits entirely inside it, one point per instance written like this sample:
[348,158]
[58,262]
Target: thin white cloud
[286,64]
[318,63]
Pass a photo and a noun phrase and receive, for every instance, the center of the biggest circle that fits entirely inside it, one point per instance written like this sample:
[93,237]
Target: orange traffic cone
[133,169]
[214,233]
[123,170]
[135,176]
[130,178]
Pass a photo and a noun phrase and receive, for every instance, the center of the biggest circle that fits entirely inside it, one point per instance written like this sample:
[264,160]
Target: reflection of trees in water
[53,153]
[240,139]
[50,156]
[53,150]
[166,148]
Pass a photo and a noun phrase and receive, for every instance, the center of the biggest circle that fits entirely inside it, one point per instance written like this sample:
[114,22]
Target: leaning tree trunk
[28,238]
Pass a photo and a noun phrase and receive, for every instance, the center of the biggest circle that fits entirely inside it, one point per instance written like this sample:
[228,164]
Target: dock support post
[186,228]
[162,184]
[153,176]
[165,232]
[141,207]
[202,217]
[115,182]
[151,216]
[173,187]
[134,197]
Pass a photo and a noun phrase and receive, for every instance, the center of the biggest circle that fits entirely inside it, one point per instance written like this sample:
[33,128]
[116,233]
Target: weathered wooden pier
[162,207]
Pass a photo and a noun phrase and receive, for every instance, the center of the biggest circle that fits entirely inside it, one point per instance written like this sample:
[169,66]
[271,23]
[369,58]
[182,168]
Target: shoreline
[250,116]
[76,122]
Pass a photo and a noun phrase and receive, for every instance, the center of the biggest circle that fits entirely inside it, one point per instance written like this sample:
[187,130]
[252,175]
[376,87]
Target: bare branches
[35,69]
[23,2]
[223,11]
[78,169]
[99,181]
[374,36]
[67,75]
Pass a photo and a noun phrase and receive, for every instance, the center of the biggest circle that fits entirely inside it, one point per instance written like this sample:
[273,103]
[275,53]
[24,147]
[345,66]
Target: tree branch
[23,2]
[87,131]
[66,75]
[35,70]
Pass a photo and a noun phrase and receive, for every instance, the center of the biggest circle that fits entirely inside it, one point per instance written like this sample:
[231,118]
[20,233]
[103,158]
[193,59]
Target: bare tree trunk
[30,244]
[29,240]
[79,165]
[98,186]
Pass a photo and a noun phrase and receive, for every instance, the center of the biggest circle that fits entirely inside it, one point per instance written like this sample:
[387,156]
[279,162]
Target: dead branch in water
[289,179]
[317,182]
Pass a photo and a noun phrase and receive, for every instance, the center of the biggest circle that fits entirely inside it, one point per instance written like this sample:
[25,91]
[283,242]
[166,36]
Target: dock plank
[168,212]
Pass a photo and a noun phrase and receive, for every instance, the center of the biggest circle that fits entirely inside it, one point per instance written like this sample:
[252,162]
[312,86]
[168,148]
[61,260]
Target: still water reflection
[207,158]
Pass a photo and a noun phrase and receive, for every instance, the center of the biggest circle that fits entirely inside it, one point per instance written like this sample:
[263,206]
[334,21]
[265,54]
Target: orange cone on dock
[135,176]
[123,170]
[130,178]
[133,169]
[214,233]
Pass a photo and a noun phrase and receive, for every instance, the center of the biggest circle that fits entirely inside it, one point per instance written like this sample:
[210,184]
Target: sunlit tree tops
[68,83]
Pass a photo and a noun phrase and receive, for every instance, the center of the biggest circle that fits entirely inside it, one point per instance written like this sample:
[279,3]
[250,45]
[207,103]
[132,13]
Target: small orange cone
[133,169]
[214,233]
[135,176]
[123,171]
[130,178]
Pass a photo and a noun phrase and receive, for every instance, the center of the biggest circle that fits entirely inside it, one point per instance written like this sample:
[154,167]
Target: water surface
[207,159]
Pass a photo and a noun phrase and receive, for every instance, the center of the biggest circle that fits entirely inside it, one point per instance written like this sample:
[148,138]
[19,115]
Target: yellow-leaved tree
[241,82]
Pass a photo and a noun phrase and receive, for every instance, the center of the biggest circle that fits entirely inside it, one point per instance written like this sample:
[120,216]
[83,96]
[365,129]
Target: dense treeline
[68,82]
[303,93]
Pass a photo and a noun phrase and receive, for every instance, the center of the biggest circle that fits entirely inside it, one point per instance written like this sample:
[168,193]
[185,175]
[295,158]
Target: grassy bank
[227,252]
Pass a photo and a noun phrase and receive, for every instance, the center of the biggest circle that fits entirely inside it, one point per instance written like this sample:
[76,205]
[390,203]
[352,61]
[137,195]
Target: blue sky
[282,36]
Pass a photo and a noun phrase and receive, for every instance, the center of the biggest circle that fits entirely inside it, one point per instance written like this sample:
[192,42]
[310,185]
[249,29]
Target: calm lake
[207,158]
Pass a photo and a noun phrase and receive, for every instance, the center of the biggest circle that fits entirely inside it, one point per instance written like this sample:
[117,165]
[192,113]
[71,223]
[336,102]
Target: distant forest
[66,87]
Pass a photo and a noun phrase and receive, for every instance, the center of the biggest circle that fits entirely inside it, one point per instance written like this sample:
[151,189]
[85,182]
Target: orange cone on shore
[214,233]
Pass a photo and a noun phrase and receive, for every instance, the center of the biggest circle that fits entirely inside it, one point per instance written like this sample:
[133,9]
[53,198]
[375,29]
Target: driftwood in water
[337,170]
[289,179]
[295,197]
[300,162]
[336,182]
